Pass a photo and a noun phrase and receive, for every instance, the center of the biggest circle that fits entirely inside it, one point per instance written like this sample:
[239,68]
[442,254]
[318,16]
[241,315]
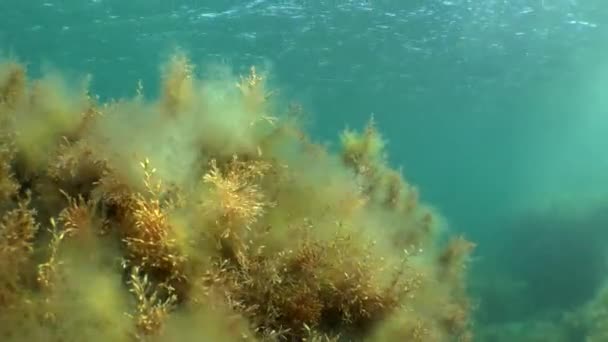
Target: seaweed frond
[48,271]
[148,233]
[80,216]
[255,96]
[76,168]
[18,229]
[177,85]
[364,152]
[235,198]
[453,259]
[12,84]
[151,311]
[9,186]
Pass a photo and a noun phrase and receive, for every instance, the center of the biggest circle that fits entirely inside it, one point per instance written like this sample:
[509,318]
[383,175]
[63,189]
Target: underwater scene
[284,170]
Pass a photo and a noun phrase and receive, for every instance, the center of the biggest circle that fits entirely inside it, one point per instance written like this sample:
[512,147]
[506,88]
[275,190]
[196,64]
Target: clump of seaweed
[209,215]
[18,229]
[151,310]
[178,85]
[12,84]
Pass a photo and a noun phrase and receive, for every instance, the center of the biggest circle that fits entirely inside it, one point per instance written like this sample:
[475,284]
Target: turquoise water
[493,108]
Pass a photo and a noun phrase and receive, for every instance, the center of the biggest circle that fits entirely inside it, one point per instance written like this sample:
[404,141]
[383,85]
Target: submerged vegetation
[208,213]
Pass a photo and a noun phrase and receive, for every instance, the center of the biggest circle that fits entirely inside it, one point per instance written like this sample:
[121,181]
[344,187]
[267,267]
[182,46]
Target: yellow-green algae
[209,215]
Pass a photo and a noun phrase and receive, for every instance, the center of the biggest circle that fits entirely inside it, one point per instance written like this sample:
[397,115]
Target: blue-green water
[491,107]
